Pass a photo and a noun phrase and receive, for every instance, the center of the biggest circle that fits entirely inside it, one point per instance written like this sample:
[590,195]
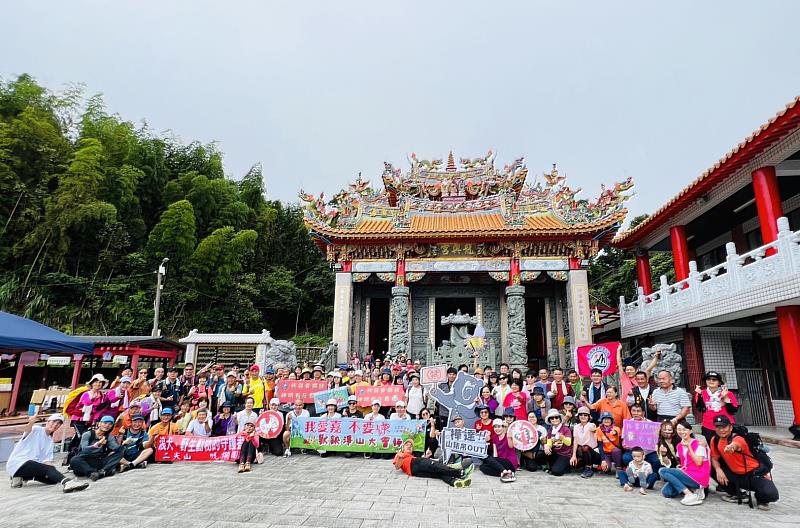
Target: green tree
[174,235]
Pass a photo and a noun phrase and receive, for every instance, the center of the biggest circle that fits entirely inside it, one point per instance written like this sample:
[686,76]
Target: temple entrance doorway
[379,326]
[534,328]
[449,305]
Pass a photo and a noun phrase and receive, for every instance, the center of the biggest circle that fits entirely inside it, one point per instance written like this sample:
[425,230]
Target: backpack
[757,449]
[72,403]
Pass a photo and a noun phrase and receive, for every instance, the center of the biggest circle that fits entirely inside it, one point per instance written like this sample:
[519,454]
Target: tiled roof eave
[510,232]
[762,139]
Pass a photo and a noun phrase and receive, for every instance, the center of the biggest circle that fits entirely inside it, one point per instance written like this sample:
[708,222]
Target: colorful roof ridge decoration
[779,126]
[472,199]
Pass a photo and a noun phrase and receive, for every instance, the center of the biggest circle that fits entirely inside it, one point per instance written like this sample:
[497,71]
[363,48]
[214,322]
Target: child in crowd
[609,436]
[638,474]
[247,452]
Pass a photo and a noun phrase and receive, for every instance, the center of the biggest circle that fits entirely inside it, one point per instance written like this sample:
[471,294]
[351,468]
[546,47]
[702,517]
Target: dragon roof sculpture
[435,198]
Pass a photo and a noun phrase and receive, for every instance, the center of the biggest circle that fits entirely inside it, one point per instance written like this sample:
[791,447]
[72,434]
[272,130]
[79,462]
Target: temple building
[448,247]
[734,233]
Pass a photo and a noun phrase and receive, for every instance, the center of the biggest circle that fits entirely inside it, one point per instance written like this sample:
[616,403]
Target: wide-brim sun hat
[98,377]
[553,413]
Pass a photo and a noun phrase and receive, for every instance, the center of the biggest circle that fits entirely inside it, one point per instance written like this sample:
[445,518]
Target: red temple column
[695,364]
[680,251]
[134,363]
[789,327]
[76,371]
[12,406]
[514,274]
[643,274]
[400,273]
[768,203]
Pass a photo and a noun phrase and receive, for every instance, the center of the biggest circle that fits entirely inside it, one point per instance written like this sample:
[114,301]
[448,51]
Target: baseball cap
[137,417]
[269,370]
[376,402]
[54,417]
[125,379]
[712,374]
[721,421]
[399,403]
[107,419]
[168,410]
[497,421]
[276,401]
[352,398]
[359,373]
[331,401]
[605,415]
[255,368]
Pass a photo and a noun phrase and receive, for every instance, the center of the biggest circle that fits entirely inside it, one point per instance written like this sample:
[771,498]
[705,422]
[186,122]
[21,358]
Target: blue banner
[340,394]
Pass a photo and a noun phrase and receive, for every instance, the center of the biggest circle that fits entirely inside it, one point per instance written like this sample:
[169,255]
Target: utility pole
[162,271]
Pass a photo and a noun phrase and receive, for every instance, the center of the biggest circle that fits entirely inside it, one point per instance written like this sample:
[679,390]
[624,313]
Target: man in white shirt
[298,411]
[246,415]
[32,457]
[375,415]
[400,411]
[200,426]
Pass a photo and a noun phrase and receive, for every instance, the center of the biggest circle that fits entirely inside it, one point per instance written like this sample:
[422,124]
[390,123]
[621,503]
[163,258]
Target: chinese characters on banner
[466,442]
[640,433]
[523,435]
[339,394]
[269,424]
[174,448]
[601,356]
[290,390]
[387,394]
[433,374]
[356,434]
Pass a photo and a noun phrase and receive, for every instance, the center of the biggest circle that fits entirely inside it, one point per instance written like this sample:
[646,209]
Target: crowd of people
[579,424]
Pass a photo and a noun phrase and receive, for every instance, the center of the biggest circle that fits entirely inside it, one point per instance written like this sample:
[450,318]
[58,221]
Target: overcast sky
[318,91]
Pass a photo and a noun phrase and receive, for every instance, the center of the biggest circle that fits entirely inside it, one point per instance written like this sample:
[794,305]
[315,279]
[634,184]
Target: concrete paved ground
[355,493]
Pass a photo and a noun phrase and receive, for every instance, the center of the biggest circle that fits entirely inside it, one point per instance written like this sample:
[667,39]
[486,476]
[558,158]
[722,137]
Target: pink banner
[174,448]
[387,394]
[290,390]
[641,433]
[601,356]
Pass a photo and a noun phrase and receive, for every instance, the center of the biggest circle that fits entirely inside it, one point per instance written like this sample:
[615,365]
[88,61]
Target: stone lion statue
[669,359]
[281,352]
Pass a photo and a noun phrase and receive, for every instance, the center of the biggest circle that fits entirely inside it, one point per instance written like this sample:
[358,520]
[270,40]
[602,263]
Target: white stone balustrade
[742,285]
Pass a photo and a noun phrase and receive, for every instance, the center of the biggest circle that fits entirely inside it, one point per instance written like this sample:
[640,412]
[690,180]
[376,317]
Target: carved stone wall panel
[529,276]
[361,277]
[419,337]
[386,277]
[517,334]
[398,328]
[491,323]
[415,276]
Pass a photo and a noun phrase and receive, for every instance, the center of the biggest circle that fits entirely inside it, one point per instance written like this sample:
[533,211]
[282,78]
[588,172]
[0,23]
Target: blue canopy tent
[19,335]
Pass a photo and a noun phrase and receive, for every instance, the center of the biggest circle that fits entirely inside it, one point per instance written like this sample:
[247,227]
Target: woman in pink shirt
[503,461]
[715,400]
[517,399]
[692,476]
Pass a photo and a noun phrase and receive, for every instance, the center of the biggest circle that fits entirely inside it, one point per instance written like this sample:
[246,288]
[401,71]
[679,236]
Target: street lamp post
[162,271]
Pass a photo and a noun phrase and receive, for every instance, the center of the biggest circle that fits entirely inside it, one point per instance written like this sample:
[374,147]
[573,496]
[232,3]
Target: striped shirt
[671,402]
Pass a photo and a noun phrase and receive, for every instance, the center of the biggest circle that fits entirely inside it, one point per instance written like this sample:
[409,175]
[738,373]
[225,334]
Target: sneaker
[74,485]
[731,498]
[691,500]
[141,465]
[95,475]
[17,482]
[287,453]
[763,506]
[456,465]
[701,493]
[462,483]
[469,470]
[125,467]
[587,473]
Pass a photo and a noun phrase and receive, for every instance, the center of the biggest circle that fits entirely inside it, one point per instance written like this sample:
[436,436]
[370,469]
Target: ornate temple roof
[474,199]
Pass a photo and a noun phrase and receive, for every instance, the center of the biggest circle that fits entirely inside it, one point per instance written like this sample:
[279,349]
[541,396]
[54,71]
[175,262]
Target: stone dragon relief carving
[669,359]
[399,327]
